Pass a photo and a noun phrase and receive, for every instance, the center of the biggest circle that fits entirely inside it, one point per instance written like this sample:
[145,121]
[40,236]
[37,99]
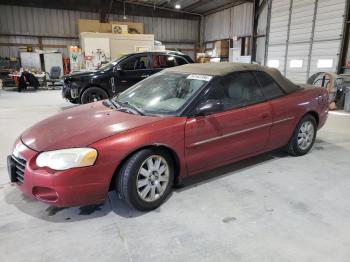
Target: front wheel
[146,178]
[303,137]
[93,94]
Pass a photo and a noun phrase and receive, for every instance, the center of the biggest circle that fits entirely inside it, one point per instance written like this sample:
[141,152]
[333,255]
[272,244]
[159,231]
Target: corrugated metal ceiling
[193,6]
[152,7]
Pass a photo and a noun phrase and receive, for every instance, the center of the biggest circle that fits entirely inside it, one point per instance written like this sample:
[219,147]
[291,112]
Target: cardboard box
[203,60]
[221,44]
[88,25]
[221,48]
[221,52]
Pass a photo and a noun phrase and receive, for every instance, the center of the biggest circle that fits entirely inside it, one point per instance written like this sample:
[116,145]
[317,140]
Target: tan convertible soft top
[224,68]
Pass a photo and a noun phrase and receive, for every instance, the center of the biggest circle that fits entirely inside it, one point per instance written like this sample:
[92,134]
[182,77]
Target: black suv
[118,75]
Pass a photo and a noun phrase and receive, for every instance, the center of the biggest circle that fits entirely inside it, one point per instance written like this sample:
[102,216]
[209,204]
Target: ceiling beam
[232,4]
[196,4]
[134,9]
[105,10]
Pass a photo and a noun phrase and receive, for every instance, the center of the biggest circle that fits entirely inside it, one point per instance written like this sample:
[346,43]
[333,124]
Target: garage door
[305,36]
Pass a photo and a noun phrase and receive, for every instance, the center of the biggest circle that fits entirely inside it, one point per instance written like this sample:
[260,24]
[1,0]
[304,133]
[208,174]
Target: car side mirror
[116,69]
[209,107]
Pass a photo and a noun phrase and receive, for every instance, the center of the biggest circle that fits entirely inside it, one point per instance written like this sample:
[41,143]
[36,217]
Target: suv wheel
[93,94]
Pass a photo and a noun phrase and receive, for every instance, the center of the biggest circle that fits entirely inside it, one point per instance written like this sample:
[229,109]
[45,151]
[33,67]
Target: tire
[130,175]
[303,137]
[93,94]
[74,101]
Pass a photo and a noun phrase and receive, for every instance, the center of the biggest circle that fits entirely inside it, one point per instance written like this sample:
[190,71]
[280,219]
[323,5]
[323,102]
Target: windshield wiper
[126,105]
[109,103]
[133,107]
[115,103]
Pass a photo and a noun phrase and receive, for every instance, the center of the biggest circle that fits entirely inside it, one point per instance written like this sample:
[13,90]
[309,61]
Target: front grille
[20,167]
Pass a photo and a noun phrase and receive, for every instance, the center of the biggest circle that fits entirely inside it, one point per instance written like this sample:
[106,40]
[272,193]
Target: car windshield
[163,93]
[112,63]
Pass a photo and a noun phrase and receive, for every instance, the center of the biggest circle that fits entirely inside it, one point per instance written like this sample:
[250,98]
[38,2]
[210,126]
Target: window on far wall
[296,63]
[324,63]
[273,63]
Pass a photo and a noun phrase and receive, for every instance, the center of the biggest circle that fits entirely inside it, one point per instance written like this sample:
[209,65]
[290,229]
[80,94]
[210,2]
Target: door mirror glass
[209,107]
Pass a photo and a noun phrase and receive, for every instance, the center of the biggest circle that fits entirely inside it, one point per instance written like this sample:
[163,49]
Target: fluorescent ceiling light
[177,6]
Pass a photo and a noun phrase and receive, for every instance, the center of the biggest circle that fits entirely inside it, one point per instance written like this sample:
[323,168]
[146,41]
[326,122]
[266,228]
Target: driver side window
[236,90]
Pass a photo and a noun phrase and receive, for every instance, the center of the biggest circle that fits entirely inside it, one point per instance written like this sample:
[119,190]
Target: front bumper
[69,93]
[73,187]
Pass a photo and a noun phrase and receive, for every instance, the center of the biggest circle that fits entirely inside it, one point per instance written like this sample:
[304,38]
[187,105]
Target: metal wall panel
[324,50]
[327,36]
[298,52]
[279,22]
[278,32]
[242,20]
[277,52]
[301,20]
[300,35]
[329,19]
[165,29]
[52,22]
[234,21]
[217,25]
[309,31]
[262,22]
[29,20]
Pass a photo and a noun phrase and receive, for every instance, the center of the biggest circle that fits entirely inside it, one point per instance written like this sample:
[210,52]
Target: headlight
[67,158]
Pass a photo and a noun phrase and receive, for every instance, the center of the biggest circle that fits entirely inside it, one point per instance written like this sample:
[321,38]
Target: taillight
[323,98]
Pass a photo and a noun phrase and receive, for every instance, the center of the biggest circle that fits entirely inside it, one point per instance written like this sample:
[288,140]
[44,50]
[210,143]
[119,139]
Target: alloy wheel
[152,178]
[306,135]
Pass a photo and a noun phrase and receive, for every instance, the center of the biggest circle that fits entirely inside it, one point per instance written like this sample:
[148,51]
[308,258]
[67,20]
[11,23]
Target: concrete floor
[269,208]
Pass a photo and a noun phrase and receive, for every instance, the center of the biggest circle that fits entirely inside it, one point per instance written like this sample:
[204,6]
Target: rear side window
[269,87]
[236,90]
[180,61]
[162,61]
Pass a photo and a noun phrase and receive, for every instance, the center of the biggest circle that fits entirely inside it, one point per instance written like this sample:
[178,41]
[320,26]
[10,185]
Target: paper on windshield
[200,77]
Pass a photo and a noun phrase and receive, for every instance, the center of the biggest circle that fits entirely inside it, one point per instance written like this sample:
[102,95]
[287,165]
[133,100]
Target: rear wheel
[146,178]
[93,94]
[303,137]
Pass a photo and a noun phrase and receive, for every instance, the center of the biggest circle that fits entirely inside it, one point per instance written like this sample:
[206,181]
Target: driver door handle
[144,76]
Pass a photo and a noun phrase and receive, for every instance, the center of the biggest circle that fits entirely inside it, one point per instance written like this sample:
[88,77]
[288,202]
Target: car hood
[88,74]
[81,126]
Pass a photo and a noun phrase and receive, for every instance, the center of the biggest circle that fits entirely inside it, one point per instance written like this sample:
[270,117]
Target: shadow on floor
[229,169]
[43,211]
[32,89]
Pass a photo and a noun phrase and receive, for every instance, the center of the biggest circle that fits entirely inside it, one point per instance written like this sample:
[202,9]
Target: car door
[240,129]
[283,111]
[132,70]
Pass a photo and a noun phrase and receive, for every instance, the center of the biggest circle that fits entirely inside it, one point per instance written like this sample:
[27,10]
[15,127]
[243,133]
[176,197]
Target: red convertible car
[174,124]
